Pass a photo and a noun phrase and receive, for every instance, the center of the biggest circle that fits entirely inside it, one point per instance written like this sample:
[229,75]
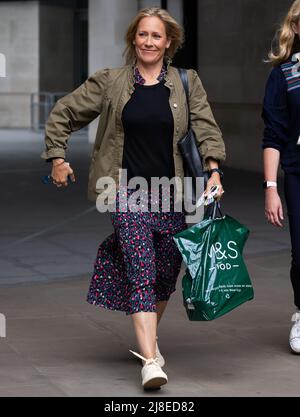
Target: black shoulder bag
[192,160]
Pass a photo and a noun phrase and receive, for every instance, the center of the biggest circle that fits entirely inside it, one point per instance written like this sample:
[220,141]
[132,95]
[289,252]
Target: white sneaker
[159,356]
[295,333]
[160,359]
[153,377]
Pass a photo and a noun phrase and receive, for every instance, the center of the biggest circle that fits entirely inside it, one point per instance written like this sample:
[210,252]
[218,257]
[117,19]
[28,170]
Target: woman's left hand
[215,180]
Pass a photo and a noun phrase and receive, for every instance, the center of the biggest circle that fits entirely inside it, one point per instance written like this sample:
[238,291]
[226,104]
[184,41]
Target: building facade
[52,46]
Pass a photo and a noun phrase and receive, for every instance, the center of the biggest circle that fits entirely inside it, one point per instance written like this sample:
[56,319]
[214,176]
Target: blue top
[281,113]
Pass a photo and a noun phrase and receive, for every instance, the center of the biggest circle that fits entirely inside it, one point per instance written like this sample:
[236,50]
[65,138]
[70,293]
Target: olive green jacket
[105,93]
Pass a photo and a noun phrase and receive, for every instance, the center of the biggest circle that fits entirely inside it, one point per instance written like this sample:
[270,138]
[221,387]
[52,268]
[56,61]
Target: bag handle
[185,82]
[215,211]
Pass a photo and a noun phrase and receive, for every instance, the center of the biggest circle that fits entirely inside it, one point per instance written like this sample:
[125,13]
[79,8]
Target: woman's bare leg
[145,325]
[160,306]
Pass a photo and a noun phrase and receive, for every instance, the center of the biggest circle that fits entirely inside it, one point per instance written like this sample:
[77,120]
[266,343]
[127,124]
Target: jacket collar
[139,79]
[166,73]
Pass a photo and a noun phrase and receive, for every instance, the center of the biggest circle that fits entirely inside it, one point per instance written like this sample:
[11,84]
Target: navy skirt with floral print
[138,265]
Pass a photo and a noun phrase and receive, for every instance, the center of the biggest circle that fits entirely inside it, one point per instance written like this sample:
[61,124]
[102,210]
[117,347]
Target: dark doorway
[80,46]
[164,4]
[187,57]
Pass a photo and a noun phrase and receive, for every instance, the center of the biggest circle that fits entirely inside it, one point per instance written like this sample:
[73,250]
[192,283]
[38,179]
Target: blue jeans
[292,196]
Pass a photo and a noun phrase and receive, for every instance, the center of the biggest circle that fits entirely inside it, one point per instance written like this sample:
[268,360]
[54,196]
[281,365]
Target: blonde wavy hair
[174,31]
[286,42]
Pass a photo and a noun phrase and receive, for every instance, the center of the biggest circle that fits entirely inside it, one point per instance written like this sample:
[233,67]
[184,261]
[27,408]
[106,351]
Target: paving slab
[59,345]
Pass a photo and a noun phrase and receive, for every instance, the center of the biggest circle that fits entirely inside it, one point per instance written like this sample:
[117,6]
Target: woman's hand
[273,207]
[214,180]
[60,172]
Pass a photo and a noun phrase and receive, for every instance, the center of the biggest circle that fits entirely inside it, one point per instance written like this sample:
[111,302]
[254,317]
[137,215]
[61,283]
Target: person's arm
[271,164]
[53,159]
[275,116]
[73,112]
[275,111]
[273,205]
[215,178]
[207,132]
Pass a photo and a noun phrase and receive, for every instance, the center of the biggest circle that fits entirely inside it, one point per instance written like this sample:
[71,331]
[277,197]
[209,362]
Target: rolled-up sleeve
[73,112]
[275,111]
[207,132]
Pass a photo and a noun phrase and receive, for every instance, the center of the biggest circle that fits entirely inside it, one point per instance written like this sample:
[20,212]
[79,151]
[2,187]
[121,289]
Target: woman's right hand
[273,207]
[60,172]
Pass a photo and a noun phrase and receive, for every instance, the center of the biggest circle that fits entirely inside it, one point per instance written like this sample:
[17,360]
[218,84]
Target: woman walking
[281,143]
[143,116]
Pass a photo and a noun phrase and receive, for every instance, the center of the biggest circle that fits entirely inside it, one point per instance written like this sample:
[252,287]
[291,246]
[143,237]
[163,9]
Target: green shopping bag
[216,279]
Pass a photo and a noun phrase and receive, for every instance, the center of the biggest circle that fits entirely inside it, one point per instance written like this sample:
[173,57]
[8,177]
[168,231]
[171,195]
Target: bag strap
[214,211]
[185,81]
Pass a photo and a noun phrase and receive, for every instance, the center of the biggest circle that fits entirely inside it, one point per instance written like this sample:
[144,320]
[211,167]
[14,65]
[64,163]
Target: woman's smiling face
[151,40]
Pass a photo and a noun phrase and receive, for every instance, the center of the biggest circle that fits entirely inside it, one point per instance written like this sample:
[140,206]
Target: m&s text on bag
[220,253]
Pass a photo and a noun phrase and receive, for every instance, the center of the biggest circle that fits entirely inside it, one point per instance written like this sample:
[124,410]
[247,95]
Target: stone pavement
[59,345]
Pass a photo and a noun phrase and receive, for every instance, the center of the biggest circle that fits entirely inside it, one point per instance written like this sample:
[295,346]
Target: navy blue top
[281,113]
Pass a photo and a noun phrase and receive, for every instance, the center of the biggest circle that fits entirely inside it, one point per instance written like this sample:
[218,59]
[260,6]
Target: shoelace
[296,328]
[147,361]
[296,317]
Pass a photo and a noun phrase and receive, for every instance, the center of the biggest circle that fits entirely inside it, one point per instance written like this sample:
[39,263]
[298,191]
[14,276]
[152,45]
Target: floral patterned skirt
[138,264]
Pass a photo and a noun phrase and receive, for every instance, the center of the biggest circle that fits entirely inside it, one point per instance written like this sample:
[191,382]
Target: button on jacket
[105,93]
